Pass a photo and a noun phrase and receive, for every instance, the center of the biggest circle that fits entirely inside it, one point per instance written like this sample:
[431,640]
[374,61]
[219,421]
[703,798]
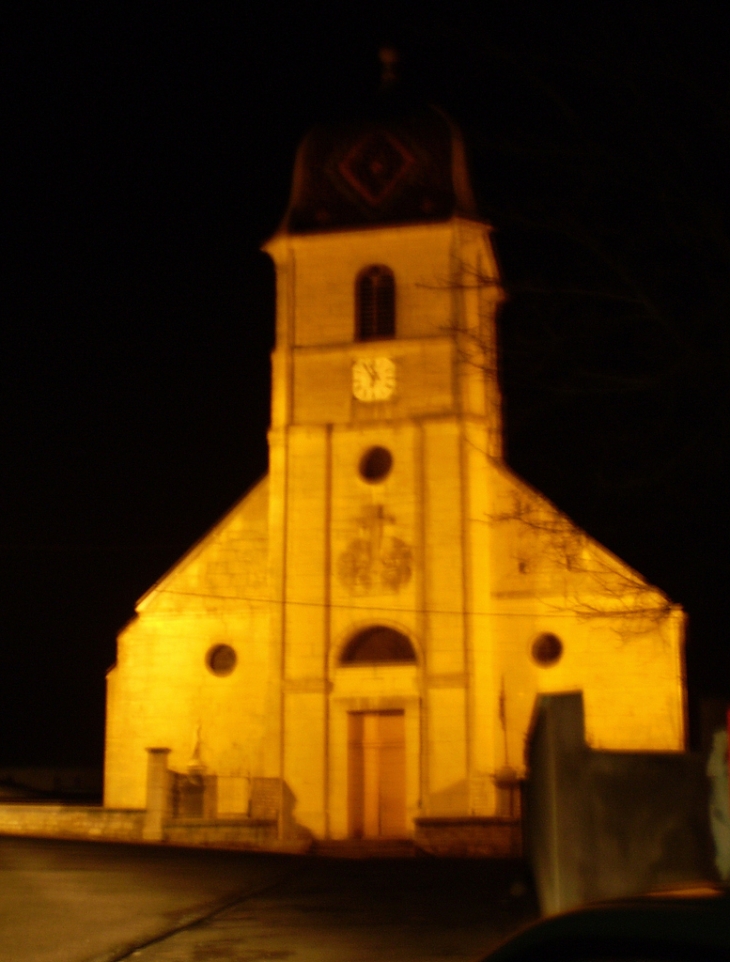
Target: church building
[356,649]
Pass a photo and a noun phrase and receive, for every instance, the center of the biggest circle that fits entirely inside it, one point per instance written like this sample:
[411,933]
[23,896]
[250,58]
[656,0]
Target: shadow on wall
[271,798]
[606,824]
[452,800]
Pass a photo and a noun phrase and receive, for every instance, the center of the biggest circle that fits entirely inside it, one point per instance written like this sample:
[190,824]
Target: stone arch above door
[376,645]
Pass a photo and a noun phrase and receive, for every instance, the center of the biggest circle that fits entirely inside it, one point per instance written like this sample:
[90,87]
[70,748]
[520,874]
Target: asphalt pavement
[64,901]
[78,902]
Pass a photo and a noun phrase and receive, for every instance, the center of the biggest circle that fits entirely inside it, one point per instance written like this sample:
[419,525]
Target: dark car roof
[660,926]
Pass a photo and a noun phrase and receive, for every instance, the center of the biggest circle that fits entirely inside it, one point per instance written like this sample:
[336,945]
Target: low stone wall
[94,823]
[470,836]
[456,837]
[221,833]
[72,821]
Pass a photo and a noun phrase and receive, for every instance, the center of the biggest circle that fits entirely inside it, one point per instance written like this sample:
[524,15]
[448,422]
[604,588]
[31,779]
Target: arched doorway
[377,743]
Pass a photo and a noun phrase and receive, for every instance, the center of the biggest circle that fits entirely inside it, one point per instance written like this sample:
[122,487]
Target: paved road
[75,902]
[411,910]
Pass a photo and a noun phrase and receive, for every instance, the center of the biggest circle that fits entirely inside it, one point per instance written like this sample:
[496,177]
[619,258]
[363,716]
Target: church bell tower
[385,416]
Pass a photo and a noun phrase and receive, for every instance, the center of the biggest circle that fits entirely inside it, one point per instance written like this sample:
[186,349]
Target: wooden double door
[377,774]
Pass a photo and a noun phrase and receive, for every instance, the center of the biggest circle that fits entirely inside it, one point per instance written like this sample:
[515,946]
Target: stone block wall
[256,833]
[72,821]
[470,837]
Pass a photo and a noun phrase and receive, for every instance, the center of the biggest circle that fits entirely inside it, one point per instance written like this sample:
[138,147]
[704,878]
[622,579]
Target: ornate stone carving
[375,562]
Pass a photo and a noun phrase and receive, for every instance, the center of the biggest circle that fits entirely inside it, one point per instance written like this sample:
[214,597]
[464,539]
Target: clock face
[373,378]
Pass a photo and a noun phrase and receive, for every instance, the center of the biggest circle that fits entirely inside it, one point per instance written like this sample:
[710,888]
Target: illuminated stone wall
[71,821]
[162,692]
[447,547]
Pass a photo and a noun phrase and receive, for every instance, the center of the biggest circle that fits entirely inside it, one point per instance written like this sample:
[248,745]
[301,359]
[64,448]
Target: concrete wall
[603,824]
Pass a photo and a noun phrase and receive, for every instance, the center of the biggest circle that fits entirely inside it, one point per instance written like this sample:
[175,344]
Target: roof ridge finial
[389,60]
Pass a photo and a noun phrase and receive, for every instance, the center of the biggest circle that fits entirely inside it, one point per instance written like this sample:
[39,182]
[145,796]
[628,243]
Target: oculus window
[547,649]
[375,464]
[221,660]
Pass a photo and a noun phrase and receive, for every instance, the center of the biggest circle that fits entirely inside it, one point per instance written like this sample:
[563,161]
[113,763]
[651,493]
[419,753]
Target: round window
[547,649]
[221,660]
[375,464]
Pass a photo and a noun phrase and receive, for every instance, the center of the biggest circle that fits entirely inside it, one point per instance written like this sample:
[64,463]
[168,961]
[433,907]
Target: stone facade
[243,660]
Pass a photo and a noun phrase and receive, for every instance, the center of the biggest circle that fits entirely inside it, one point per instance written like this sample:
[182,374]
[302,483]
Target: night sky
[148,155]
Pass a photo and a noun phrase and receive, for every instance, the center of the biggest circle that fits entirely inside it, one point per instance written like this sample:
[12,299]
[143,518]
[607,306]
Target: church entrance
[377,774]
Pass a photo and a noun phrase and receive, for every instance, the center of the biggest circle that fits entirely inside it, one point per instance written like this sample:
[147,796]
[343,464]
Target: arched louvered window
[375,303]
[378,644]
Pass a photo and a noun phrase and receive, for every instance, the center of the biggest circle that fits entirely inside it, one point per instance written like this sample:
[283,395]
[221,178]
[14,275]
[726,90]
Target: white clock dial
[373,378]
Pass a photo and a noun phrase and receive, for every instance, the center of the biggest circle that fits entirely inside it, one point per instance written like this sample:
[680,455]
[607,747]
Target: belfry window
[379,644]
[375,303]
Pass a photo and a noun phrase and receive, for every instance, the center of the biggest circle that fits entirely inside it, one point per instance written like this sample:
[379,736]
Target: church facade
[358,645]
